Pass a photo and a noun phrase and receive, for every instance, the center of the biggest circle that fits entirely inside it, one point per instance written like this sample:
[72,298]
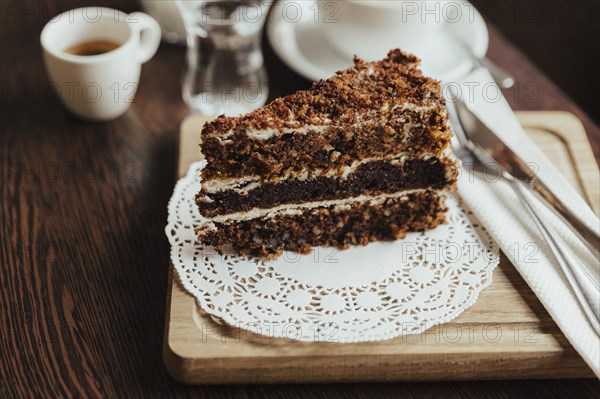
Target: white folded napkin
[500,211]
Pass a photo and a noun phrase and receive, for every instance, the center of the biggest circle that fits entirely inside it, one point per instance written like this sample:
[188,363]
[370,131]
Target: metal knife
[483,136]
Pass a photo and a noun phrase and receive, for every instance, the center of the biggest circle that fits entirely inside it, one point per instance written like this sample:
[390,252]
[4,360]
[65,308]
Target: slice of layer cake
[359,157]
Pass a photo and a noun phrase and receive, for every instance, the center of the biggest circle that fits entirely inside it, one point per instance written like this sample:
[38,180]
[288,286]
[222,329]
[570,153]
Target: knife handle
[582,230]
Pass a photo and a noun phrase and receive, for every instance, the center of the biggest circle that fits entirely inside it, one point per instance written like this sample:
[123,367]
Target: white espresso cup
[100,86]
[370,28]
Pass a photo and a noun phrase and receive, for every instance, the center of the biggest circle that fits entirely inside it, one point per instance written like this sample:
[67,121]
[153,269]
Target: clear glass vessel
[225,69]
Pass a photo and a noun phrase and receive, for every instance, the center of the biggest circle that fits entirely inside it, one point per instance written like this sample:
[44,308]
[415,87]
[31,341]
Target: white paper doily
[365,293]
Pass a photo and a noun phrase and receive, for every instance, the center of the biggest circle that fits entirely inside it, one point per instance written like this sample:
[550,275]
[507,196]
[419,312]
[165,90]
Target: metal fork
[583,284]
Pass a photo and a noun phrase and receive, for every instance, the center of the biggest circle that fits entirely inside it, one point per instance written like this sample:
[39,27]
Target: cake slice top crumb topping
[342,99]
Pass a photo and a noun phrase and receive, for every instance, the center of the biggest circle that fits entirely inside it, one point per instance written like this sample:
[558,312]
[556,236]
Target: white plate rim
[293,57]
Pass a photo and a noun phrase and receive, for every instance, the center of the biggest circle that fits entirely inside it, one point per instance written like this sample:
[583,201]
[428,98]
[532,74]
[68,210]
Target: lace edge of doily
[203,305]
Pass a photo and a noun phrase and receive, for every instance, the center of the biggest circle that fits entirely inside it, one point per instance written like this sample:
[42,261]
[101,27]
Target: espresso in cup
[93,47]
[94,55]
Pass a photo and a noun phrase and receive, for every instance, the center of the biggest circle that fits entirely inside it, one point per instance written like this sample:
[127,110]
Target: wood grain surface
[82,213]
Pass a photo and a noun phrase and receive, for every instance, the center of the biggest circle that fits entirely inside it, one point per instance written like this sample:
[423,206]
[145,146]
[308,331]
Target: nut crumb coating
[367,86]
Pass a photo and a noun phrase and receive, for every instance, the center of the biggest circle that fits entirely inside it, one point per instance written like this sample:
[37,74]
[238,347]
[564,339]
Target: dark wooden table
[84,256]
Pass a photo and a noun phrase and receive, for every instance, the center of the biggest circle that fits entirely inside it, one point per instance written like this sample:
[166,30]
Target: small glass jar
[225,68]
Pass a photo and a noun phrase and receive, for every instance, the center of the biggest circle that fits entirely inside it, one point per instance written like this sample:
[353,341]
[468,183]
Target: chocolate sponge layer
[330,226]
[372,178]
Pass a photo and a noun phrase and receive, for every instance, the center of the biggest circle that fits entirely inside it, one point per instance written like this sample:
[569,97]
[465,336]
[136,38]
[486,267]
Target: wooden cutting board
[507,334]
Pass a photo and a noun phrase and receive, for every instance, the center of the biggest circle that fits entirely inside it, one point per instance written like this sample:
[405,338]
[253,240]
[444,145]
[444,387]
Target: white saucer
[302,46]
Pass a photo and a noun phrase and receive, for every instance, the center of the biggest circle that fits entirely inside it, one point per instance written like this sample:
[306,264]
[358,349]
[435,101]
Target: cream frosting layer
[298,209]
[367,118]
[247,183]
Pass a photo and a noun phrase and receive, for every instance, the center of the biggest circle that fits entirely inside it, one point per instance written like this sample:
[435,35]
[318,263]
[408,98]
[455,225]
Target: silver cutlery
[502,155]
[479,147]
